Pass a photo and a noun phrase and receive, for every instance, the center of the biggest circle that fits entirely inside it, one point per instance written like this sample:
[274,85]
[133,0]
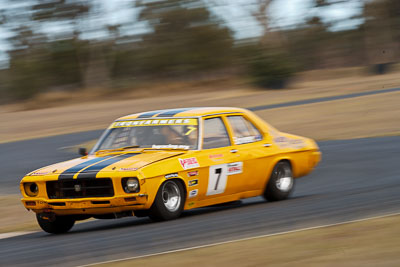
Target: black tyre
[281,182]
[169,201]
[55,224]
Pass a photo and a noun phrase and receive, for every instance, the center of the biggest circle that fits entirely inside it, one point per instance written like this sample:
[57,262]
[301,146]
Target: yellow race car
[162,162]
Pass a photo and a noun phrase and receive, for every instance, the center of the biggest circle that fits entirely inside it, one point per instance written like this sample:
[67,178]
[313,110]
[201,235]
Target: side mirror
[82,151]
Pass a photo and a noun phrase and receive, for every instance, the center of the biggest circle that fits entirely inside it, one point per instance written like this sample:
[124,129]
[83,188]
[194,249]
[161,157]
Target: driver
[172,136]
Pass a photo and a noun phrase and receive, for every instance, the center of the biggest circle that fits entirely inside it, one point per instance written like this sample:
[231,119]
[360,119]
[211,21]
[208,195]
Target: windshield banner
[158,122]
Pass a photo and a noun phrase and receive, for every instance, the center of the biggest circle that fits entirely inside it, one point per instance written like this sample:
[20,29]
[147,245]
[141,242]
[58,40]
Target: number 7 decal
[217,171]
[217,179]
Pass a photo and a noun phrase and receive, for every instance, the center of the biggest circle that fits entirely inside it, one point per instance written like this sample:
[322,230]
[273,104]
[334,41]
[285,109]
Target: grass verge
[360,117]
[14,216]
[373,242]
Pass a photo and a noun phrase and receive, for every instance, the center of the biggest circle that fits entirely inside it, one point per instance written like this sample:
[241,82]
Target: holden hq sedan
[162,162]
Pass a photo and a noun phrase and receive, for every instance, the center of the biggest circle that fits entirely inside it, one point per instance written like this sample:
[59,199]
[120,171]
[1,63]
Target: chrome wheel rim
[284,181]
[171,196]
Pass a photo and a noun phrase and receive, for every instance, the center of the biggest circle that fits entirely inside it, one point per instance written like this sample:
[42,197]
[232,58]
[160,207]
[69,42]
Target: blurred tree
[182,39]
[324,3]
[185,38]
[27,64]
[268,61]
[261,14]
[308,43]
[271,69]
[69,13]
[60,10]
[315,44]
[271,37]
[37,62]
[382,32]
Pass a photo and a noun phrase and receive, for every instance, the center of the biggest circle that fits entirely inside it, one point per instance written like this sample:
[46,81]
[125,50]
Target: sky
[286,13]
[235,13]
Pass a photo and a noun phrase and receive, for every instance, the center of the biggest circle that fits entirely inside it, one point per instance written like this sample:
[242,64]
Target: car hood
[105,162]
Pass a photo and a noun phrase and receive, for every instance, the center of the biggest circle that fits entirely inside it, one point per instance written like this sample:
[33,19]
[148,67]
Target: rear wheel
[169,201]
[54,224]
[281,182]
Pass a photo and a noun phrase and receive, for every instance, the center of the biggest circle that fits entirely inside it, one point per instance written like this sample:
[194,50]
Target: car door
[216,159]
[254,149]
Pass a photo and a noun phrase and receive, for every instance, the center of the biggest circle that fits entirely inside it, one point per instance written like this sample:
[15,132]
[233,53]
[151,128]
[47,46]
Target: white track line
[241,239]
[12,234]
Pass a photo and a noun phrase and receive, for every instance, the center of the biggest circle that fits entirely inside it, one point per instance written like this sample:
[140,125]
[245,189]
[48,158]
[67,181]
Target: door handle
[267,145]
[234,151]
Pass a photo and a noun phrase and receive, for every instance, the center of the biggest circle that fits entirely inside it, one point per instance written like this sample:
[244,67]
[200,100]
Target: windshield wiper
[166,148]
[142,149]
[127,147]
[116,149]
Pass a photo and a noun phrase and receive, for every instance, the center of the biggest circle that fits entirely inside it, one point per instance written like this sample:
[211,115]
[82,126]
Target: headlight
[31,189]
[130,185]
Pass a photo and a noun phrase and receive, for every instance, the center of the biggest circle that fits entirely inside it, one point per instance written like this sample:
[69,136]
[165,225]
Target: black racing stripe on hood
[92,171]
[172,112]
[69,173]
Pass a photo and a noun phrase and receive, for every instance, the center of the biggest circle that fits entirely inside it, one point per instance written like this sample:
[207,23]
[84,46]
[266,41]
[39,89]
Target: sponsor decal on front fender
[128,169]
[193,193]
[189,163]
[193,173]
[193,182]
[171,175]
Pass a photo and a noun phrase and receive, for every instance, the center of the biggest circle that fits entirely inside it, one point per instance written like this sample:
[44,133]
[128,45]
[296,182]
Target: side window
[215,134]
[243,130]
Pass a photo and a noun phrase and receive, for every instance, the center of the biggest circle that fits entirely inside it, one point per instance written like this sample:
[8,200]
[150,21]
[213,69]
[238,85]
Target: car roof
[183,112]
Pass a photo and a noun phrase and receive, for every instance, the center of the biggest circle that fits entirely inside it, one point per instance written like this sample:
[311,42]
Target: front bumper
[89,206]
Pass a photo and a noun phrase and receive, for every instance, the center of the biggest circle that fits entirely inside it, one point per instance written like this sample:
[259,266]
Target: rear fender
[272,166]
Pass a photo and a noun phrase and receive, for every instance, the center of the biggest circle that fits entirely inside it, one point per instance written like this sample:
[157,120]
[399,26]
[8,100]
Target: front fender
[153,185]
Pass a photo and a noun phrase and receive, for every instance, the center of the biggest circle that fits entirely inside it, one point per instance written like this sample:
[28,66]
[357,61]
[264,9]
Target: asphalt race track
[356,179]
[19,158]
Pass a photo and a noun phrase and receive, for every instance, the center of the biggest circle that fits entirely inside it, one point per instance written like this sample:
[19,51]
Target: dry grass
[369,243]
[97,114]
[14,217]
[366,116]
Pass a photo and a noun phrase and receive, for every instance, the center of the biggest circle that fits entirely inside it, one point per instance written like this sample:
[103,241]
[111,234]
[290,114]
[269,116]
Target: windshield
[153,133]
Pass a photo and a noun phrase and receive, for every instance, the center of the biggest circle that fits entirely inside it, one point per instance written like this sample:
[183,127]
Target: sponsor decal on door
[218,176]
[235,168]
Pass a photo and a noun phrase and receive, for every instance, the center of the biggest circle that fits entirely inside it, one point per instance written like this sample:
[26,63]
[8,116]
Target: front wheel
[281,183]
[55,224]
[169,201]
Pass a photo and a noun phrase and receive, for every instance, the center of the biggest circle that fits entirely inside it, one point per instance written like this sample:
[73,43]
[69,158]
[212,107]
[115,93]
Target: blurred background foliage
[54,46]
